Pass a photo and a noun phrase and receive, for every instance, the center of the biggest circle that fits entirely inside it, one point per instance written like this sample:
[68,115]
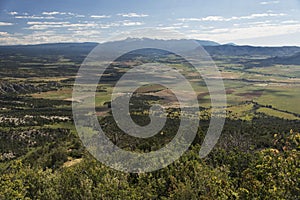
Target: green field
[281,93]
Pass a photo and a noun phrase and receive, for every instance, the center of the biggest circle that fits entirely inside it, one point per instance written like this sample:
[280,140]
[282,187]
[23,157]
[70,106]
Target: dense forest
[269,173]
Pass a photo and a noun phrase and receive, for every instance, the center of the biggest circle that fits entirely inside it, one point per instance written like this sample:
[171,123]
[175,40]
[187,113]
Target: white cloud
[33,17]
[253,16]
[53,13]
[48,25]
[290,22]
[132,23]
[269,2]
[214,18]
[255,31]
[220,18]
[38,37]
[219,30]
[43,27]
[206,27]
[13,13]
[62,13]
[80,25]
[169,28]
[6,24]
[109,25]
[193,31]
[208,18]
[175,24]
[97,25]
[132,15]
[257,23]
[73,14]
[190,19]
[100,16]
[4,34]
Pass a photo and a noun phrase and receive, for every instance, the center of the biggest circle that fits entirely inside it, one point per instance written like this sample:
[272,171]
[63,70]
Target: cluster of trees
[270,173]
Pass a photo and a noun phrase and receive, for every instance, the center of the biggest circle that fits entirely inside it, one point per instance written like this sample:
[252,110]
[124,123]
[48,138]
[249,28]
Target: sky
[243,22]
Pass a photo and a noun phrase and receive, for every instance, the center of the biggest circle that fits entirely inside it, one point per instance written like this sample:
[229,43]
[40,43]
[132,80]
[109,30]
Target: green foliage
[275,174]
[12,183]
[272,173]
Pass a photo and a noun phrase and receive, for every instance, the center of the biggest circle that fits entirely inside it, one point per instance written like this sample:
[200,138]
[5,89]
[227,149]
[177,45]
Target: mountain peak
[144,39]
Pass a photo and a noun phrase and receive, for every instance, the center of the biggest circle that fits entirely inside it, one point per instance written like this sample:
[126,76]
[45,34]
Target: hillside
[230,50]
[287,60]
[213,48]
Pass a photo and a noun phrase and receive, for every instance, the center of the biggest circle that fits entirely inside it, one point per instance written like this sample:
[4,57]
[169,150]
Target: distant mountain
[230,50]
[231,43]
[182,45]
[51,48]
[80,50]
[168,42]
[74,51]
[213,48]
[207,43]
[286,60]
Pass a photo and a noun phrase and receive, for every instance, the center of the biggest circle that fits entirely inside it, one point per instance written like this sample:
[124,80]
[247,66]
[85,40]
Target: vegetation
[256,157]
[270,173]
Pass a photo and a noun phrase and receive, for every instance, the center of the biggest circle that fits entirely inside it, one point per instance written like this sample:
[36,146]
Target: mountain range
[285,54]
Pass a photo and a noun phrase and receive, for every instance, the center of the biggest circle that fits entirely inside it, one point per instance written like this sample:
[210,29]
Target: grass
[265,85]
[285,98]
[66,94]
[60,94]
[102,97]
[279,70]
[242,111]
[64,125]
[279,114]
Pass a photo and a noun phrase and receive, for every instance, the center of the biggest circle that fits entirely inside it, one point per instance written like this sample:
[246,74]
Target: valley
[38,136]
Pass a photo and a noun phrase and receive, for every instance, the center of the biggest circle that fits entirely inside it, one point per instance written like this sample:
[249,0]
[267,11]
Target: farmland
[38,134]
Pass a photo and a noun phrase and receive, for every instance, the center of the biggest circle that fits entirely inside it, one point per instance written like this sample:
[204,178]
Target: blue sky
[255,22]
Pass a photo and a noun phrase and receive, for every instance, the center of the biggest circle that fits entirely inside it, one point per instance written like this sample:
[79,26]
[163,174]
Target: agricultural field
[37,128]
